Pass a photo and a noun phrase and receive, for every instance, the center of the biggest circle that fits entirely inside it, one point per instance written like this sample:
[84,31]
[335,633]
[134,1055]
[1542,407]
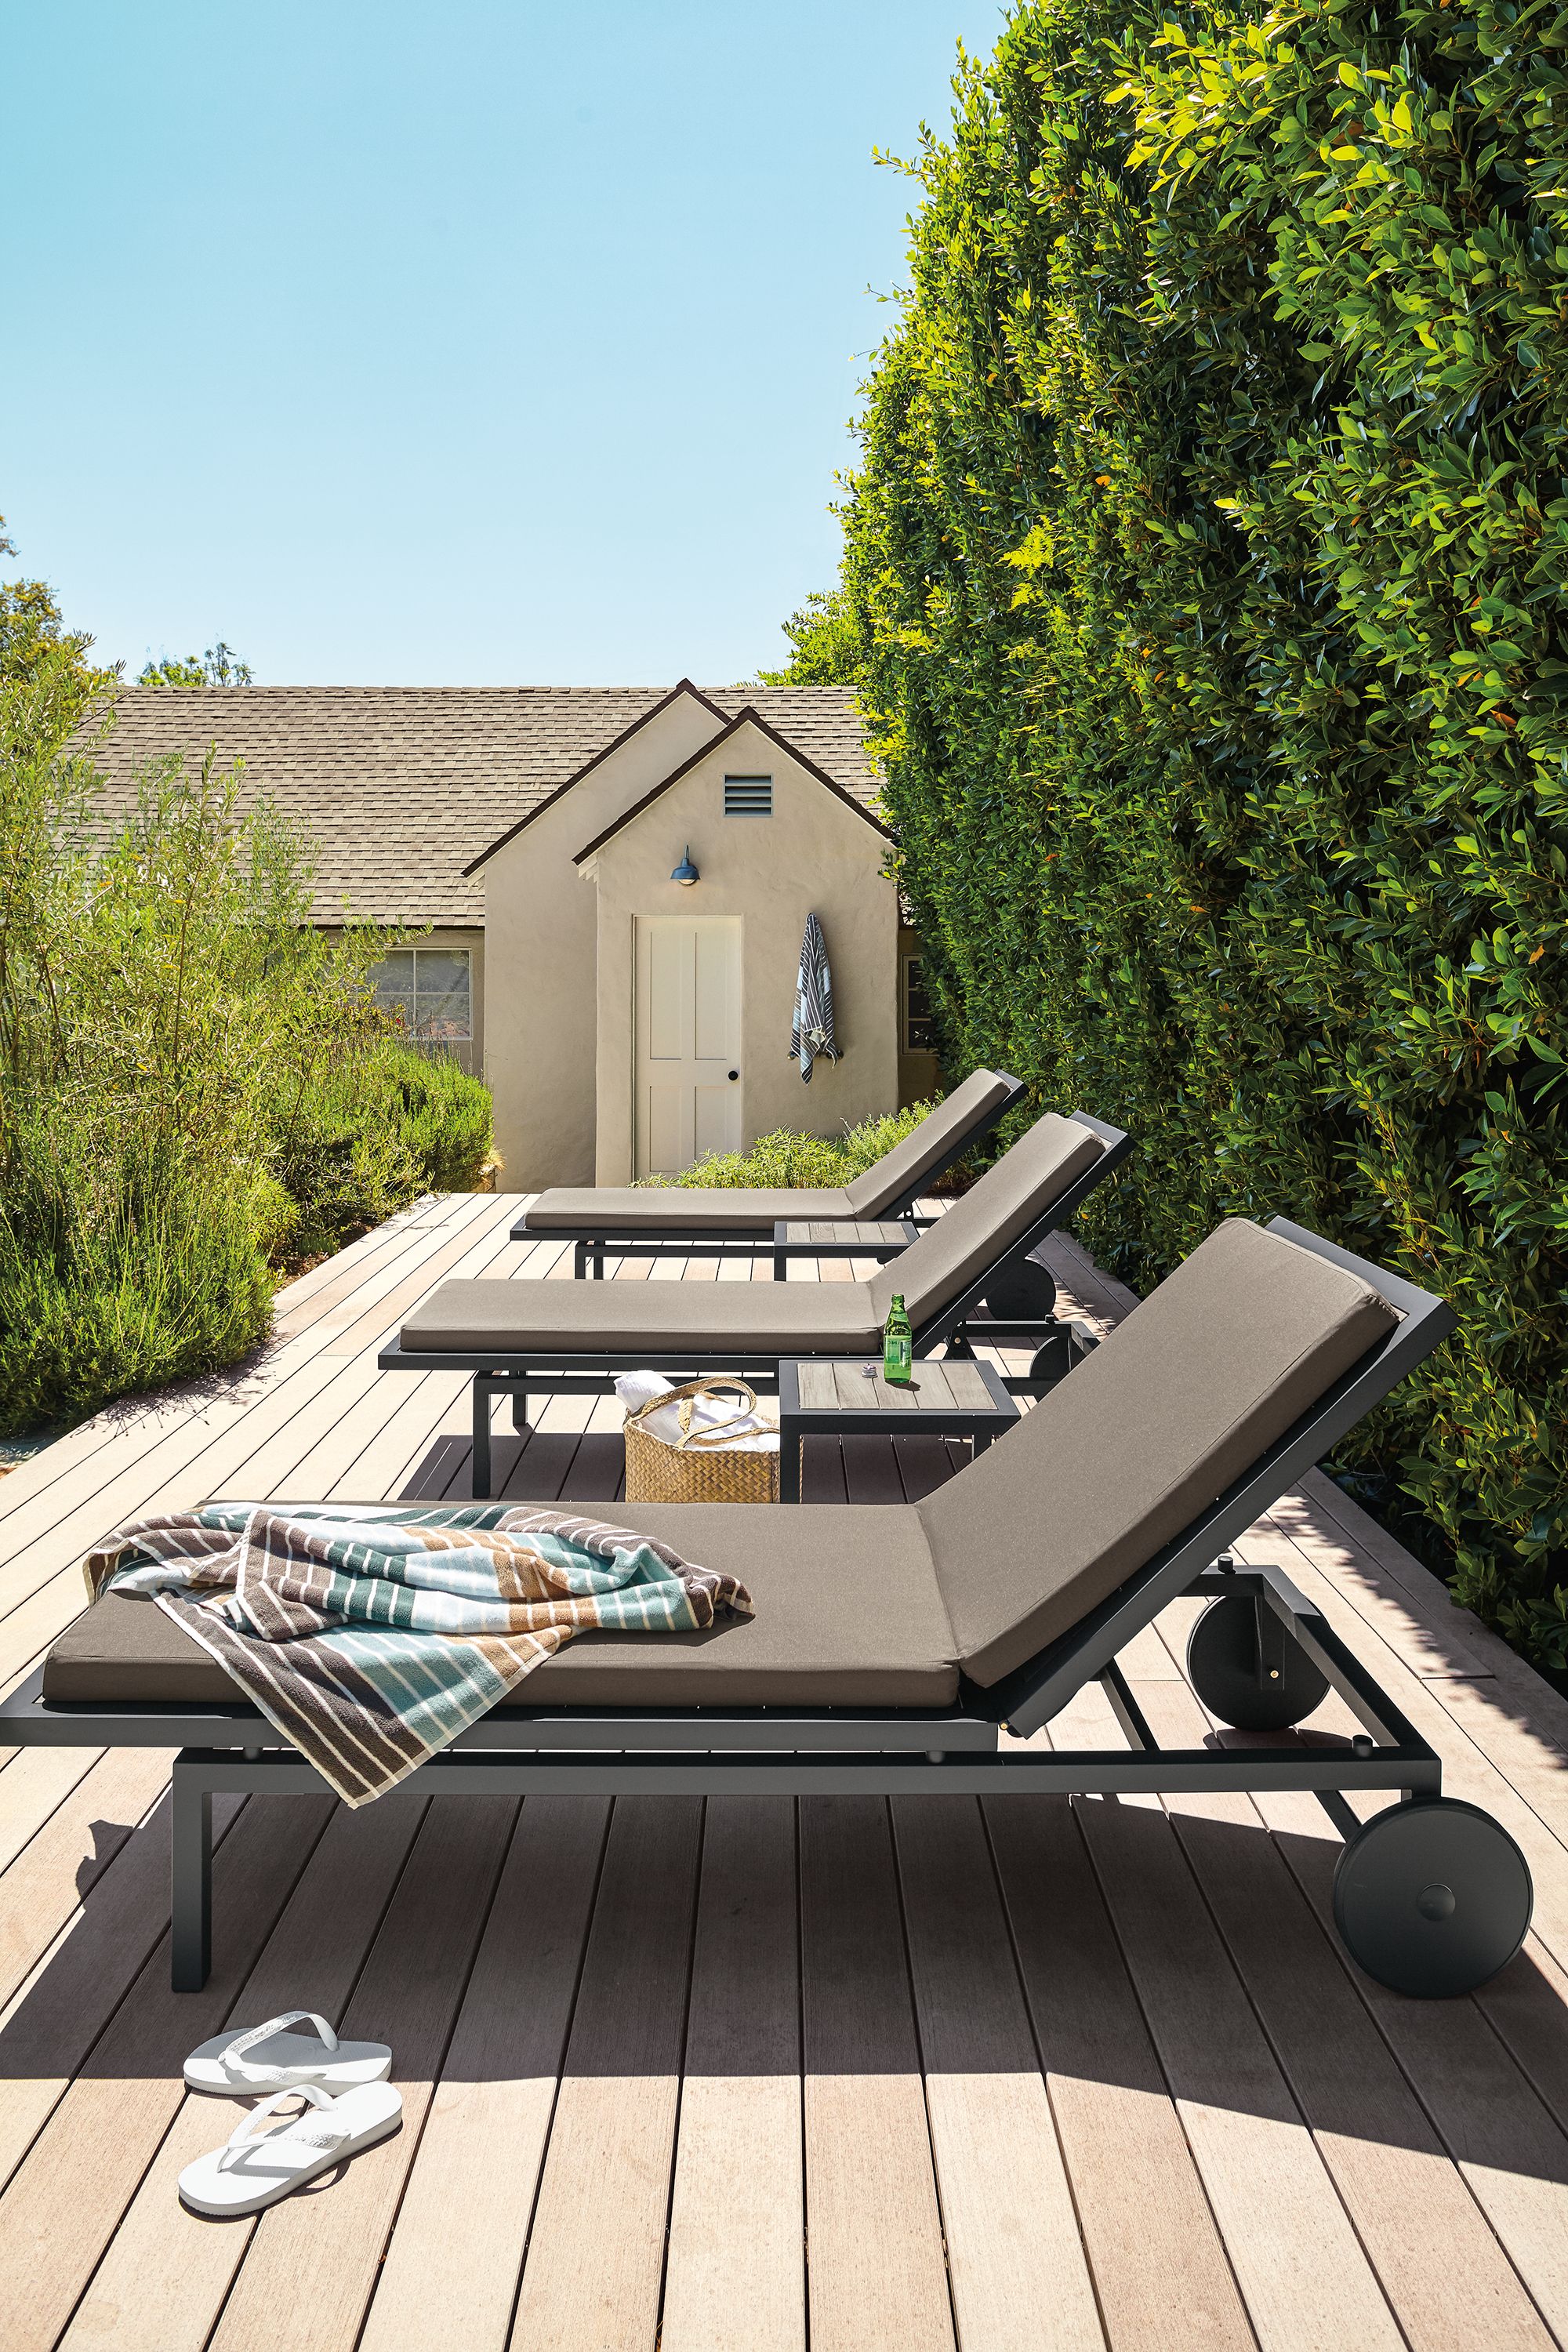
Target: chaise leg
[579,1261]
[191,1878]
[480,1479]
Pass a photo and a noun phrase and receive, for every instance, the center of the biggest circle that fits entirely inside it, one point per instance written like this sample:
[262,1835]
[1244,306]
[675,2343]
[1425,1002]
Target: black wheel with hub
[1023,1293]
[1245,1667]
[1431,1897]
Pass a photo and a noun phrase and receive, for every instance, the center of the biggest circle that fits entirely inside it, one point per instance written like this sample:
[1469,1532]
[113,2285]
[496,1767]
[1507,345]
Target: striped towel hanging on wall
[812,1031]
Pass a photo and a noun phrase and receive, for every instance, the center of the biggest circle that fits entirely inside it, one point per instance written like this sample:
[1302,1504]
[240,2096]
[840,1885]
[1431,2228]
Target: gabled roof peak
[683,690]
[747,715]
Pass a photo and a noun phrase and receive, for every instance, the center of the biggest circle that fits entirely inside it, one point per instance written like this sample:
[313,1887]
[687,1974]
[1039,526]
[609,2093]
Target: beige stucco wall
[540,950]
[814,853]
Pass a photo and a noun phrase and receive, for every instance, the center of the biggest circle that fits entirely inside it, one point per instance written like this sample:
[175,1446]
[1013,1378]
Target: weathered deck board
[731,2288]
[451,2273]
[740,2076]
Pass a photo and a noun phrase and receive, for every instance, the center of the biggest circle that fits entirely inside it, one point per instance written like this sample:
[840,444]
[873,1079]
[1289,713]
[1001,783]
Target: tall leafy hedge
[1207,556]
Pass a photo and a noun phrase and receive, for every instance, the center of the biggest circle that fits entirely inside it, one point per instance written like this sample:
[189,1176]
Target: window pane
[445,1019]
[393,982]
[920,1030]
[442,971]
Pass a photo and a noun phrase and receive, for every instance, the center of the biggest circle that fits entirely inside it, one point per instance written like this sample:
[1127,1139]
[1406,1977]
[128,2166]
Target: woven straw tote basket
[699,1467]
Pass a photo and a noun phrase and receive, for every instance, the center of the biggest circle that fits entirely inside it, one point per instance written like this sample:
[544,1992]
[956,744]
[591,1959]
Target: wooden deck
[751,2074]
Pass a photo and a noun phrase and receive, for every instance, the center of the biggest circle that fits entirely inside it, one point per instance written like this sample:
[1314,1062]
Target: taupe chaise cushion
[655,1209]
[1200,1380]
[875,1190]
[617,1318]
[983,1224]
[647,1209]
[847,1614]
[766,1318]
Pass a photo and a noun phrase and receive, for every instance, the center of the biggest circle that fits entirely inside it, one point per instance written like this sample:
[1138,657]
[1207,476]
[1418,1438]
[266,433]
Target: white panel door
[688,1018]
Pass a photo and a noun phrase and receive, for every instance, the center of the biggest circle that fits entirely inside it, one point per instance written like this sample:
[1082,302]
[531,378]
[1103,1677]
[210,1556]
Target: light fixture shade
[686,873]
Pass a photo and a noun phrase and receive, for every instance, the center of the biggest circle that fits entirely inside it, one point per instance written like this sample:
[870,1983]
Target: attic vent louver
[748,796]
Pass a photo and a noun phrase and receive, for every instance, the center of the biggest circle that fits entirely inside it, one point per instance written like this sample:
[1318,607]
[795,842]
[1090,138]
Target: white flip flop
[269,2058]
[248,2173]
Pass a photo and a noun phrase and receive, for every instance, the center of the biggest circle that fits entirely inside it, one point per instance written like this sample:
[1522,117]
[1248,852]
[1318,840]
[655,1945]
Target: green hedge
[1206,559]
[787,1159]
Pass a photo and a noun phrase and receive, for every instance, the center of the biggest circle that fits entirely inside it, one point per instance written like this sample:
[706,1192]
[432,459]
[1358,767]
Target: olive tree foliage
[219,665]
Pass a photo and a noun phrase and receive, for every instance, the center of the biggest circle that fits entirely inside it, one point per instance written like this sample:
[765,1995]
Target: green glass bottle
[898,1345]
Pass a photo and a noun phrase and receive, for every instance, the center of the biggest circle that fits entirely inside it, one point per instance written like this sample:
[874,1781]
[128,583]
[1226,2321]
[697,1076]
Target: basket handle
[686,1398]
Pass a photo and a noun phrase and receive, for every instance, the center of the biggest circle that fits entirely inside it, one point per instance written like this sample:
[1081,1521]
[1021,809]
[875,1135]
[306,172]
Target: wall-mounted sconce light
[686,873]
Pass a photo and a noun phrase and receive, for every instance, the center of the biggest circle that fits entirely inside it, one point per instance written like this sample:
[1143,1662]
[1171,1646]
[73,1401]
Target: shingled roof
[401,787]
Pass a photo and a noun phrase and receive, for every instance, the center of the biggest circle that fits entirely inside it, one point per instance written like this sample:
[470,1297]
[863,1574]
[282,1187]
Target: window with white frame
[430,989]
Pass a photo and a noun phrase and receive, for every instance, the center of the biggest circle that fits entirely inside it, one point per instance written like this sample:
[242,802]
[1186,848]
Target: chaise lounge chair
[573,1338]
[892,1646]
[656,1220]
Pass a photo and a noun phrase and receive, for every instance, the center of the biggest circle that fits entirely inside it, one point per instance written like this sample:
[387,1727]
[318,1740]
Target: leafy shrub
[787,1160]
[137,1282]
[371,1139]
[196,1090]
[1207,559]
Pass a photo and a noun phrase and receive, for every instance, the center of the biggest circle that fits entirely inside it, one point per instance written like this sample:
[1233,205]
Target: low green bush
[369,1139]
[785,1160]
[196,1092]
[121,1279]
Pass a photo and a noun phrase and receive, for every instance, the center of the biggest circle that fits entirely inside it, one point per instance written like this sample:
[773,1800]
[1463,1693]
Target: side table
[957,1399]
[878,1237]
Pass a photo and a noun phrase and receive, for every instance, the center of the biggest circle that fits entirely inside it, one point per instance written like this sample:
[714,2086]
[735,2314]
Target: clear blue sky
[481,342]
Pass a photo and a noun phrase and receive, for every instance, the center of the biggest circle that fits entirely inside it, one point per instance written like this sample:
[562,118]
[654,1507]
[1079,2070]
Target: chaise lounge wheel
[1431,1897]
[1222,1665]
[1025,1293]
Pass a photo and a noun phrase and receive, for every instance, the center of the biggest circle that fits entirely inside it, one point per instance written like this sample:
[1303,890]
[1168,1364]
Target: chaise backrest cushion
[1170,1411]
[926,1147]
[984,1222]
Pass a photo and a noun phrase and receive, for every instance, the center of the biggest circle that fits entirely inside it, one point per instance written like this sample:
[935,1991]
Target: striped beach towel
[810,1032]
[370,1635]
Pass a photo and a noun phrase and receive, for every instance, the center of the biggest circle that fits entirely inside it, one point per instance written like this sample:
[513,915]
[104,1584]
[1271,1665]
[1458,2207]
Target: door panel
[717,1127]
[717,993]
[667,991]
[688,1039]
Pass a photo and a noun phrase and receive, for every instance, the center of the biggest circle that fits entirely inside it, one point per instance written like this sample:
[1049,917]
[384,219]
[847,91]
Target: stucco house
[626,1020]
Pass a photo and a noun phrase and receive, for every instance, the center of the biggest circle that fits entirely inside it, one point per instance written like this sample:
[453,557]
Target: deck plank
[737,2152]
[1160,2268]
[1510,2152]
[317,2256]
[1305,2278]
[1016,2257]
[162,2281]
[64,2201]
[58,1867]
[877,2278]
[451,2277]
[1430,2242]
[591,2277]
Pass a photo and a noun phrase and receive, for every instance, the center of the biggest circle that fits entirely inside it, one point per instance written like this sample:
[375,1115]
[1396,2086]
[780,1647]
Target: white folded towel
[744,1432]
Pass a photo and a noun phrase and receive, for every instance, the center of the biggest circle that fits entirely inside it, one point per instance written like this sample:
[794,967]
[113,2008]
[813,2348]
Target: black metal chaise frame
[593,1242]
[498,1370]
[954,1750]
